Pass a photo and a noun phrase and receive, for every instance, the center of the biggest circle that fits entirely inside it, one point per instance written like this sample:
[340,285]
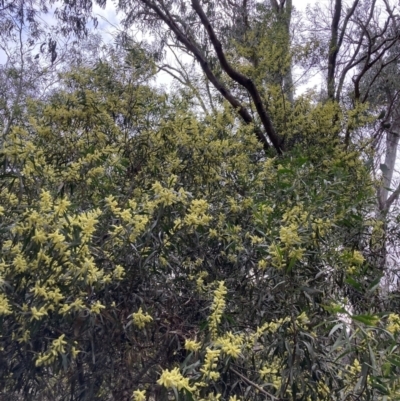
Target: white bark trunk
[392,142]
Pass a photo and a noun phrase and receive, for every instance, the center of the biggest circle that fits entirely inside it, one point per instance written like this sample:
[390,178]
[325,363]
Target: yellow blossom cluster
[140,319]
[323,390]
[55,267]
[139,395]
[352,260]
[267,327]
[288,249]
[271,373]
[210,364]
[269,370]
[355,368]
[57,348]
[4,305]
[230,344]
[320,227]
[393,325]
[199,280]
[302,320]
[164,196]
[174,379]
[197,214]
[134,220]
[192,345]
[217,307]
[289,235]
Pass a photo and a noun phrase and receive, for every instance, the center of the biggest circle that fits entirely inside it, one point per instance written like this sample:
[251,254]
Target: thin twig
[260,389]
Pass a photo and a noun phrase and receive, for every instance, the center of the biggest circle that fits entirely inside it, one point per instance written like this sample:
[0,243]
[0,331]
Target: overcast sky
[108,23]
[108,15]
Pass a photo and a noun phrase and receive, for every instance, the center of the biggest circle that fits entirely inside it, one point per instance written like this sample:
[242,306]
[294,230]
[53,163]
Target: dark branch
[191,46]
[240,79]
[334,48]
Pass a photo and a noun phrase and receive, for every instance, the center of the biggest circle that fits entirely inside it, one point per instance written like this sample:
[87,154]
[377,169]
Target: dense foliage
[152,249]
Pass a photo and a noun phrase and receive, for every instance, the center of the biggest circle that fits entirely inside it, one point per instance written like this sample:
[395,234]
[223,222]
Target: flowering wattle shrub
[147,252]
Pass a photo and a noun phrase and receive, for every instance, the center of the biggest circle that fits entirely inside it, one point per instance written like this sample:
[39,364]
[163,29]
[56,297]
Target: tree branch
[339,45]
[334,48]
[255,385]
[197,53]
[394,196]
[240,79]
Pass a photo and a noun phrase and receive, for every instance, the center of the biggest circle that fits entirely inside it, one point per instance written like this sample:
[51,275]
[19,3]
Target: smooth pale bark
[387,194]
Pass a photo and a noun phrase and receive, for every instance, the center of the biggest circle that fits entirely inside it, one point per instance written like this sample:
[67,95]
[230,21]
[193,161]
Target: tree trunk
[392,142]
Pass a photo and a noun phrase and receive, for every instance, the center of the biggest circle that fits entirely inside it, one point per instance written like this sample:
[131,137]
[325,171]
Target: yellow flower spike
[4,305]
[358,258]
[112,204]
[57,238]
[25,337]
[197,215]
[217,307]
[139,395]
[355,368]
[191,345]
[213,233]
[211,363]
[20,263]
[59,344]
[303,318]
[393,323]
[74,352]
[174,378]
[126,215]
[97,307]
[62,206]
[40,236]
[230,344]
[119,272]
[289,236]
[165,196]
[37,314]
[140,319]
[212,397]
[45,201]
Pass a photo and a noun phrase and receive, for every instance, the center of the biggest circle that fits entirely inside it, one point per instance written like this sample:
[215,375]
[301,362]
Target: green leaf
[394,360]
[380,386]
[375,284]
[369,320]
[353,283]
[335,328]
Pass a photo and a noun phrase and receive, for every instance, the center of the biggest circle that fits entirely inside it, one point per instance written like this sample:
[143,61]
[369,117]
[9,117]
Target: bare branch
[333,49]
[185,82]
[393,197]
[377,74]
[339,45]
[255,385]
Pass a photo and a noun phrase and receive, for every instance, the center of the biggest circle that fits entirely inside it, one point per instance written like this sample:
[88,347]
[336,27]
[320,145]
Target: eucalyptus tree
[360,64]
